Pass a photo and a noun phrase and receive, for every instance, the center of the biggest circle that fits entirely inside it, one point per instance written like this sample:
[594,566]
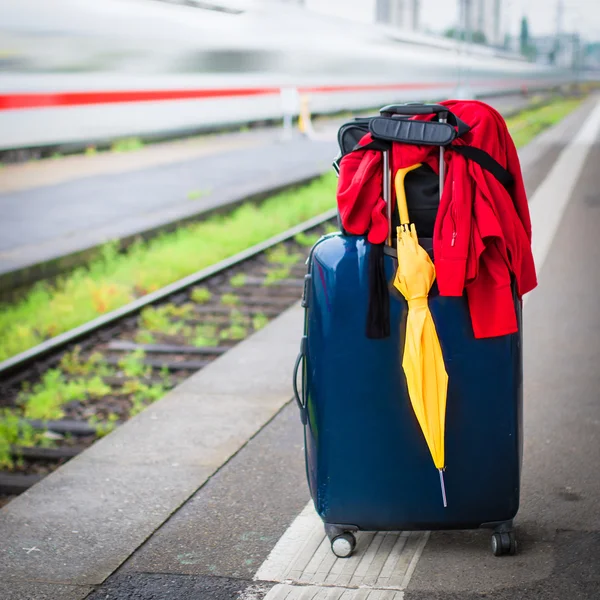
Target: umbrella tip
[443,486]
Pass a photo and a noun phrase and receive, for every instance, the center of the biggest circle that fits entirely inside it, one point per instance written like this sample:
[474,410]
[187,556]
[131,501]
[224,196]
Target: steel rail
[54,344]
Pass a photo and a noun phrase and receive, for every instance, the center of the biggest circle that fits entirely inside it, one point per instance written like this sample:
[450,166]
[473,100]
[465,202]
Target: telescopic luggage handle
[399,133]
[407,131]
[412,108]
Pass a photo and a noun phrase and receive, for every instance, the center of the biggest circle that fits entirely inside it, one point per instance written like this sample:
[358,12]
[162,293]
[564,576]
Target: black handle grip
[417,108]
[299,359]
[413,108]
[412,132]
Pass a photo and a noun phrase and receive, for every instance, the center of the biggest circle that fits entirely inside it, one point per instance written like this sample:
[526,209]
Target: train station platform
[56,212]
[203,495]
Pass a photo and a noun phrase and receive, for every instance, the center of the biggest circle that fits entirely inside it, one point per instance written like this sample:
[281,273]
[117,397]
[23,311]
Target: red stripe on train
[51,99]
[46,100]
[374,87]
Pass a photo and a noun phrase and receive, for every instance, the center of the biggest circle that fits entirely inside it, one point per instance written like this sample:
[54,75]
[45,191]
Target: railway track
[61,396]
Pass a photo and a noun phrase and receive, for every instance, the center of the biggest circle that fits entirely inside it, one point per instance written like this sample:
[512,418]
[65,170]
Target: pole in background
[463,90]
[304,119]
[416,15]
[559,22]
[289,108]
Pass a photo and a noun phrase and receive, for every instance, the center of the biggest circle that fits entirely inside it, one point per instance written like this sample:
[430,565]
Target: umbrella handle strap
[401,192]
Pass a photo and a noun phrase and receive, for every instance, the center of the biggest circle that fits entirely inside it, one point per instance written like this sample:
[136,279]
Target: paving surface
[49,222]
[86,518]
[204,495]
[559,520]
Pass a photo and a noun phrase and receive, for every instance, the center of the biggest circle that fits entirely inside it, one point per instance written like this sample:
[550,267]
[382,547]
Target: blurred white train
[78,72]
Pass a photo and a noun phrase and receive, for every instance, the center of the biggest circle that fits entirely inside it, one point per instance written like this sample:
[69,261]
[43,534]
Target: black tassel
[378,312]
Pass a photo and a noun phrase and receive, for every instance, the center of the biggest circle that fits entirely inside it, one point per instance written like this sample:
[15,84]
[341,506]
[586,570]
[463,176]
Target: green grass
[103,428]
[201,295]
[72,363]
[166,319]
[46,399]
[132,365]
[238,280]
[127,145]
[115,279]
[230,300]
[76,379]
[280,255]
[277,274]
[145,337]
[197,194]
[142,394]
[16,432]
[238,328]
[306,239]
[259,321]
[205,335]
[526,125]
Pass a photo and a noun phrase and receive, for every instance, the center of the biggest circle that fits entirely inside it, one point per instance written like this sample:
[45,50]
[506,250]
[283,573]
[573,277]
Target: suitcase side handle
[299,361]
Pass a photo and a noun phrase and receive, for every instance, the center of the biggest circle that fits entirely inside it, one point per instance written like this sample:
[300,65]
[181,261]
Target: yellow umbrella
[422,360]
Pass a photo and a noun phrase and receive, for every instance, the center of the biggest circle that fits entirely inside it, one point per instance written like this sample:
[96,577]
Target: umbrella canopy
[422,361]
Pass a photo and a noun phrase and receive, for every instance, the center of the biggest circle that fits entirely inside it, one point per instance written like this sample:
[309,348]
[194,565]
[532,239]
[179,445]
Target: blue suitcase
[367,462]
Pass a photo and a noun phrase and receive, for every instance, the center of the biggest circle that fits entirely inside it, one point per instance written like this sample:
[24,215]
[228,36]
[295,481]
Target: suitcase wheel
[343,545]
[504,543]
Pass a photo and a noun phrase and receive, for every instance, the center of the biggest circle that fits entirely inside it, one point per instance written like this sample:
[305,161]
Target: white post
[289,108]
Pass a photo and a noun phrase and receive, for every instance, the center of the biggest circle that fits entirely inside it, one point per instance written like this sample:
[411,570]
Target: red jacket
[482,232]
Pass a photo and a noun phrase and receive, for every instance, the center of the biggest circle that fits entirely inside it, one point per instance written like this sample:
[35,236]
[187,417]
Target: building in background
[564,50]
[480,21]
[404,14]
[398,13]
[487,20]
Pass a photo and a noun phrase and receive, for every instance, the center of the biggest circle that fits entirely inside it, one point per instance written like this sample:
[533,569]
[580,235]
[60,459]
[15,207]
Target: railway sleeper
[296,282]
[16,483]
[250,311]
[157,363]
[67,426]
[128,346]
[46,454]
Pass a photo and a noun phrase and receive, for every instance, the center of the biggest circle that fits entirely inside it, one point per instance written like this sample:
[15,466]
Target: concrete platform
[195,496]
[87,517]
[50,228]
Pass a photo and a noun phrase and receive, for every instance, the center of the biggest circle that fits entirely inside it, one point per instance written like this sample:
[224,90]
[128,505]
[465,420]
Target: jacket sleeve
[489,287]
[359,195]
[490,297]
[519,194]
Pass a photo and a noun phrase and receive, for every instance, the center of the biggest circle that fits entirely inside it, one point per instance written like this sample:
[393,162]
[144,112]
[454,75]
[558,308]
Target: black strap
[481,157]
[485,161]
[461,126]
[379,145]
